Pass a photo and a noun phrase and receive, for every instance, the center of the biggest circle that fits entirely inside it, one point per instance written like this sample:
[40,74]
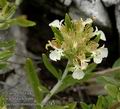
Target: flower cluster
[77,41]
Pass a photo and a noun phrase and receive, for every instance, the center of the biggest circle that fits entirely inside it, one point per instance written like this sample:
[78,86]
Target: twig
[107,71]
[55,88]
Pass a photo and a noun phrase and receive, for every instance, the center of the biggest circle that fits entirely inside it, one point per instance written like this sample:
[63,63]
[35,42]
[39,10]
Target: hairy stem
[55,88]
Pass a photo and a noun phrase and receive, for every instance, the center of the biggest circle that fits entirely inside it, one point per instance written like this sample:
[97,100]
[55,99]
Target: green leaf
[71,106]
[5,55]
[84,105]
[8,11]
[34,81]
[112,90]
[50,67]
[57,34]
[68,22]
[4,26]
[100,102]
[3,3]
[22,21]
[117,63]
[7,44]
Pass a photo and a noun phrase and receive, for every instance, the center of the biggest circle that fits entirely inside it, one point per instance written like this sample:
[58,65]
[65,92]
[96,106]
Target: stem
[55,88]
[103,73]
[107,71]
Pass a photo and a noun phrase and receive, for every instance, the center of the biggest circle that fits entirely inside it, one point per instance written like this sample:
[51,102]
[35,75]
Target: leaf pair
[7,13]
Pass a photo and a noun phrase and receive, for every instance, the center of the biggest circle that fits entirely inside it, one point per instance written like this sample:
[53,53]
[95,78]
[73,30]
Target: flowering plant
[77,41]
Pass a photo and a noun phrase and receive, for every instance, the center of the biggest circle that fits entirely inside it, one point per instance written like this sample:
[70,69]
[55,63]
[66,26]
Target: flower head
[77,41]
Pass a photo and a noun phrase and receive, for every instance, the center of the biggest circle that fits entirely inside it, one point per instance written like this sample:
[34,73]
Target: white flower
[102,35]
[99,54]
[78,74]
[56,54]
[56,23]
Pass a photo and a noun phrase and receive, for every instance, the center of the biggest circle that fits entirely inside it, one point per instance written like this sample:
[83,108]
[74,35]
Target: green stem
[55,88]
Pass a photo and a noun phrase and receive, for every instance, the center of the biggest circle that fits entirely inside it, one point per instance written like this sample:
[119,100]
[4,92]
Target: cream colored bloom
[99,32]
[99,54]
[56,23]
[78,74]
[56,54]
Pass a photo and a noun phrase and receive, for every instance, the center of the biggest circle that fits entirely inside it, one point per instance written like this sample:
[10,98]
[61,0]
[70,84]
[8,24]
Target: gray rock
[90,8]
[18,85]
[117,16]
[108,3]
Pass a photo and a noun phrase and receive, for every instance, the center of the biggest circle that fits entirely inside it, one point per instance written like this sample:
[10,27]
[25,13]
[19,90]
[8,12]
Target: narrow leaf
[5,55]
[71,106]
[57,34]
[22,21]
[50,67]
[100,102]
[4,26]
[68,22]
[34,81]
[84,105]
[8,11]
[7,44]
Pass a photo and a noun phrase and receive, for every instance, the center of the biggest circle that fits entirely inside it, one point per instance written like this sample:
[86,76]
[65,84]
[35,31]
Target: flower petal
[78,74]
[102,35]
[104,52]
[56,55]
[97,60]
[55,23]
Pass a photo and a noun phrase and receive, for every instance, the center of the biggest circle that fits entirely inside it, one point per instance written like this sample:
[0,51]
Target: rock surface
[93,8]
[108,3]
